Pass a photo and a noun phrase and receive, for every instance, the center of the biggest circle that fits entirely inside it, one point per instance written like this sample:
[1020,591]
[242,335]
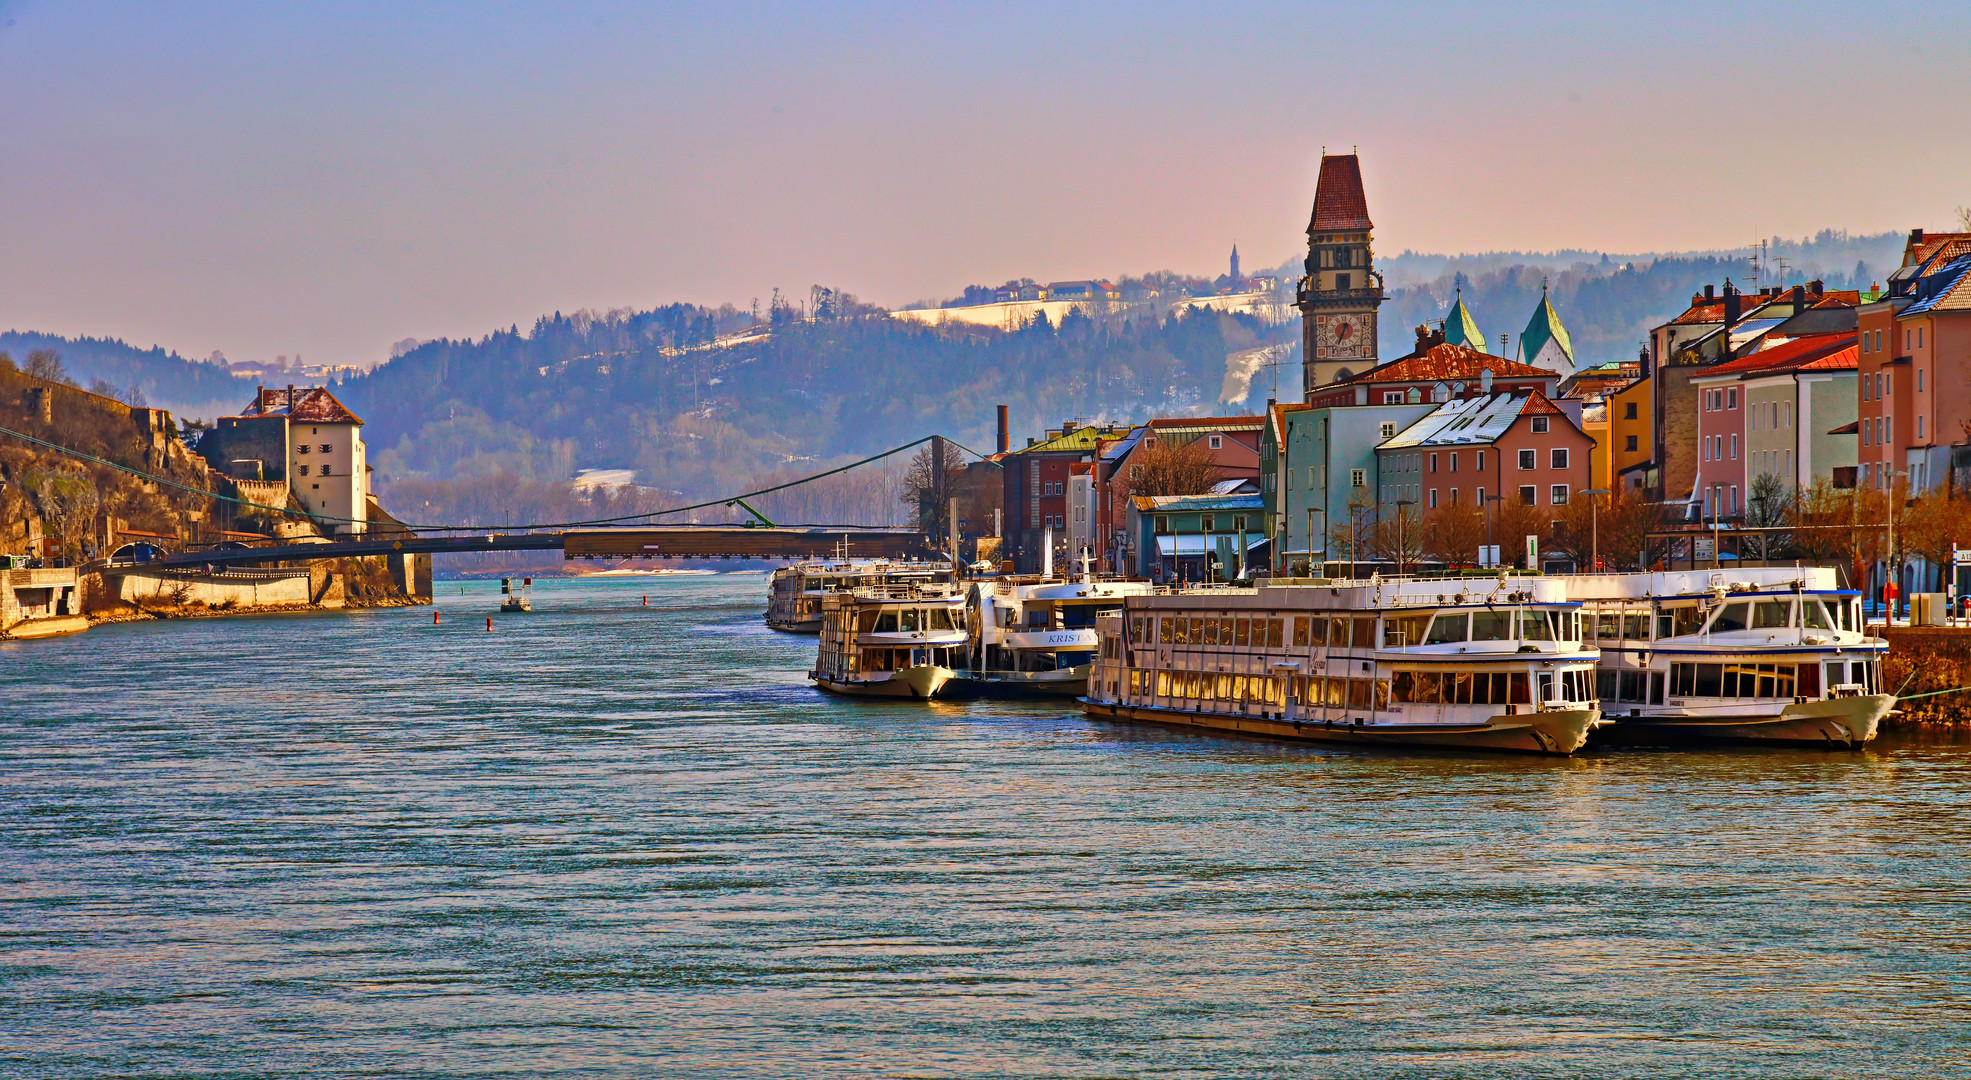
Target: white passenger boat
[794,593]
[1491,664]
[895,641]
[1750,655]
[1035,637]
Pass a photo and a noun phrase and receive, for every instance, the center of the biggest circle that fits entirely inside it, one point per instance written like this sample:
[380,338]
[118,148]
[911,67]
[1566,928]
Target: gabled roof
[1947,289]
[1081,438]
[1204,424]
[311,405]
[1448,361]
[1339,203]
[1545,326]
[1794,355]
[1476,421]
[1460,328]
[1277,417]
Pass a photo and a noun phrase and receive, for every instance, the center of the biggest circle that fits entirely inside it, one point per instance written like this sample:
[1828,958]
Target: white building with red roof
[305,436]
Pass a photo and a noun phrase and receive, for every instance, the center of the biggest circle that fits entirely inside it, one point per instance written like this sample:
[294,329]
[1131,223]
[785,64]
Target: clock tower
[1341,291]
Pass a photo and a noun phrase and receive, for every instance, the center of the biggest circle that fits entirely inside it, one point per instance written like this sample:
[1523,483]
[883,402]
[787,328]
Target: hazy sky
[328,178]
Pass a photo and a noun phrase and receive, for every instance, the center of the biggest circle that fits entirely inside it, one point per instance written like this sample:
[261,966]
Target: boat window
[1730,617]
[1813,616]
[907,620]
[1457,688]
[1608,626]
[886,623]
[1358,693]
[1242,631]
[1706,681]
[1197,630]
[1679,621]
[1275,633]
[1365,633]
[1337,693]
[1338,632]
[1491,626]
[1300,631]
[1809,681]
[1533,626]
[941,619]
[1635,627]
[1772,614]
[1605,681]
[1448,629]
[1403,631]
[1163,630]
[1211,631]
[1317,630]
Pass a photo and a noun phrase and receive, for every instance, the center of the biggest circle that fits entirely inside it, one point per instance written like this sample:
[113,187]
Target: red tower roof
[1339,203]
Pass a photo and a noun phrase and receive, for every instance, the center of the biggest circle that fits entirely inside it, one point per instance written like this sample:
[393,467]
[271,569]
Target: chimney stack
[1915,236]
[1005,439]
[1799,299]
[1817,287]
[1731,307]
[1709,293]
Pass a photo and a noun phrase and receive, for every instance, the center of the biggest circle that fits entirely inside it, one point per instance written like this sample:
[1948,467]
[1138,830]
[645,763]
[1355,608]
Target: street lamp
[1400,504]
[1594,527]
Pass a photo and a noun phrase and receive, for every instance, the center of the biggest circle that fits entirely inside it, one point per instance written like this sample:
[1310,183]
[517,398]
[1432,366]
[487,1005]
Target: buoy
[646,600]
[489,624]
[434,616]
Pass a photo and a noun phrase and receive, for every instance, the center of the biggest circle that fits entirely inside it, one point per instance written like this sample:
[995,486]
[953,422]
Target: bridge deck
[657,542]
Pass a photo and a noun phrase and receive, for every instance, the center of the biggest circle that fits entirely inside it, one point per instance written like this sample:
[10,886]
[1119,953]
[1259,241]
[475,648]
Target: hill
[189,388]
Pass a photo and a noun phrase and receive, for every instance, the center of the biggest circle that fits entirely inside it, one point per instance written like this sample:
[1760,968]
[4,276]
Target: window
[326,447]
[1454,496]
[1629,411]
[1559,494]
[1539,425]
[1734,447]
[1358,478]
[1136,472]
[1479,497]
[1391,397]
[1919,380]
[1433,498]
[1630,444]
[1205,523]
[1731,398]
[1919,428]
[1454,461]
[1342,281]
[1388,430]
[1480,463]
[1217,442]
[1560,458]
[1529,495]
[1433,463]
[1526,459]
[1239,523]
[301,448]
[325,469]
[1162,524]
[302,469]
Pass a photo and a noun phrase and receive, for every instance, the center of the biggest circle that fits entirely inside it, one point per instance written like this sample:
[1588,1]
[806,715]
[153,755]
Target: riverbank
[1925,665]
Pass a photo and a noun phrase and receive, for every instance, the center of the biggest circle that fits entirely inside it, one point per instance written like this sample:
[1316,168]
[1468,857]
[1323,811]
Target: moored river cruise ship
[794,593]
[895,641]
[1489,664]
[1752,655]
[1035,637]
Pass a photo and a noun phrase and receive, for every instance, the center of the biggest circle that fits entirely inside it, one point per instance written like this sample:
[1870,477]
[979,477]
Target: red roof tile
[1793,355]
[311,405]
[1339,202]
[1449,362]
[1538,404]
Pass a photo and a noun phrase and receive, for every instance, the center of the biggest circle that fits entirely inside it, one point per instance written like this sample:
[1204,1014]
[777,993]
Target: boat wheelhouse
[1036,637]
[1758,655]
[1493,664]
[794,593]
[897,641]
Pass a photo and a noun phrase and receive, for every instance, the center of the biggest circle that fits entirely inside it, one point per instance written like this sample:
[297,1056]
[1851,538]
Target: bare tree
[1626,522]
[1398,537]
[1453,535]
[1162,467]
[1353,536]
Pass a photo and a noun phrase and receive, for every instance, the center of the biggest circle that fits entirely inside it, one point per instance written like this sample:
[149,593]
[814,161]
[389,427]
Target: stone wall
[1923,659]
[227,589]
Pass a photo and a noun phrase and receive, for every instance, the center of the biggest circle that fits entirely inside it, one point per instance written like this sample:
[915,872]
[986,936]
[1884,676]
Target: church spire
[1235,260]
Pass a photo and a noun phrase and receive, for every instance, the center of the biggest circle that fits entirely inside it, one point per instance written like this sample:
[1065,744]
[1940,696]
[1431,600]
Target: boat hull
[1020,685]
[1555,733]
[1834,723]
[795,626]
[911,684]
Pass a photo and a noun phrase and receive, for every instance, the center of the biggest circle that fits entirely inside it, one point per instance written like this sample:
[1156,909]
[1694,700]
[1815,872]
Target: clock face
[1344,337]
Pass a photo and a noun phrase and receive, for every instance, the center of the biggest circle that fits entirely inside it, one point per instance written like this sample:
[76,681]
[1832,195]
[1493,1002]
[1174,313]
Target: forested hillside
[608,392]
[152,376]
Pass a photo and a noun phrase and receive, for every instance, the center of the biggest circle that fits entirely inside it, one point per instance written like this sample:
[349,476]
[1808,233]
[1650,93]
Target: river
[607,839]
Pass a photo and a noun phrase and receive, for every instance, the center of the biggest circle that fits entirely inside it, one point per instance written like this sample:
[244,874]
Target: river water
[616,840]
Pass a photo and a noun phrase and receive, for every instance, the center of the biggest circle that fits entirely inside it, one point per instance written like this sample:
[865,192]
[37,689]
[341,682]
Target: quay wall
[229,589]
[1922,659]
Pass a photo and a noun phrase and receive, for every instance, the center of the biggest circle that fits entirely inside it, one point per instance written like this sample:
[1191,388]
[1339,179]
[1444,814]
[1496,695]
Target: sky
[323,180]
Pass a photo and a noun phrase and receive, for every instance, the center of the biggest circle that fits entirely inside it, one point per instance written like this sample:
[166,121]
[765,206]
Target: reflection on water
[605,839]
